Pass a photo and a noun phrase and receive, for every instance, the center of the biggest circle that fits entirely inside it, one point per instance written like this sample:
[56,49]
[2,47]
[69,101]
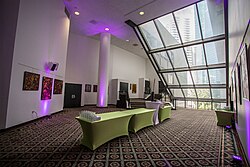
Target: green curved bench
[111,125]
[164,113]
[142,117]
[114,124]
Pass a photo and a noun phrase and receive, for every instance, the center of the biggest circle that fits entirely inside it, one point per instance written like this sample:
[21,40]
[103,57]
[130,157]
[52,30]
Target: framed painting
[31,81]
[46,88]
[239,82]
[245,72]
[94,88]
[87,88]
[58,86]
[133,88]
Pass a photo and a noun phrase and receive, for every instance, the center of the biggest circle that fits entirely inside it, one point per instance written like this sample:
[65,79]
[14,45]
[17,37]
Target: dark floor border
[45,116]
[240,149]
[31,121]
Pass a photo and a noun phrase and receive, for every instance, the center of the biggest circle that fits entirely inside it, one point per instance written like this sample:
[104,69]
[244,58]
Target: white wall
[41,36]
[128,66]
[239,15]
[152,75]
[82,64]
[83,59]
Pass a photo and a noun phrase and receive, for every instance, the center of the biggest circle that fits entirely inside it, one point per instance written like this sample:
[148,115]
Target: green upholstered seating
[224,117]
[164,113]
[142,117]
[114,124]
[111,125]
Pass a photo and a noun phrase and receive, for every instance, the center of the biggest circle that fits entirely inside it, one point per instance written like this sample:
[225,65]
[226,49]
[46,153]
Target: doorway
[72,95]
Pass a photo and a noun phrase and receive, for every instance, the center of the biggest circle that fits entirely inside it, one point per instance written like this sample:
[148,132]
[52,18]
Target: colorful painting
[30,81]
[87,88]
[244,69]
[133,88]
[47,88]
[58,86]
[94,88]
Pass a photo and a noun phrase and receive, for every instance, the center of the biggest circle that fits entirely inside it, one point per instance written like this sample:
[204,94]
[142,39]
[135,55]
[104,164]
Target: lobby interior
[193,54]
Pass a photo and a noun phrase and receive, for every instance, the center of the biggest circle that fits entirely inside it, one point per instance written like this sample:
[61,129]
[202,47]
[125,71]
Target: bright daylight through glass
[188,49]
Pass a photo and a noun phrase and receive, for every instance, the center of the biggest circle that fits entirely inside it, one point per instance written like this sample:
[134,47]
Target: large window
[188,46]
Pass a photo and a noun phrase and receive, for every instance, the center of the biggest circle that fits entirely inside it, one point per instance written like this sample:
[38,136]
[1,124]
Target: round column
[104,54]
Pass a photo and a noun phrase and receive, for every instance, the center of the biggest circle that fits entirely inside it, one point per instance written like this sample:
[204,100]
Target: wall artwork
[31,81]
[133,88]
[244,70]
[46,88]
[94,88]
[87,88]
[58,86]
[235,95]
[239,81]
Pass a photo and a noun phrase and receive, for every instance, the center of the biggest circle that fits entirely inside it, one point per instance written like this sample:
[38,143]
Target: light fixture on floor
[228,127]
[237,159]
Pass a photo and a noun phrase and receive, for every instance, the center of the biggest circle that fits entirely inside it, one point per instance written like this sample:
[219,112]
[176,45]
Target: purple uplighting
[247,110]
[237,158]
[44,107]
[102,91]
[218,2]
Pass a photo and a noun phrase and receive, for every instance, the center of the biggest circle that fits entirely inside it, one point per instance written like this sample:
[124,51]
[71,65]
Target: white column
[104,54]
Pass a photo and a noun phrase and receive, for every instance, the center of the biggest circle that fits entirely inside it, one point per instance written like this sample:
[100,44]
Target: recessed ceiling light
[141,13]
[106,29]
[127,40]
[77,13]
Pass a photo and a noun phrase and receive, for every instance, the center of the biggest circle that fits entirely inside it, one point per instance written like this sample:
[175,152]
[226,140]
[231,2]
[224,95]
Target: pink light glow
[44,107]
[247,110]
[102,91]
[106,29]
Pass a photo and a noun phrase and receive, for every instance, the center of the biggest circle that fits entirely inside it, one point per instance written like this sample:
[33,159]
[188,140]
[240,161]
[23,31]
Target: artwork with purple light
[58,86]
[31,81]
[46,88]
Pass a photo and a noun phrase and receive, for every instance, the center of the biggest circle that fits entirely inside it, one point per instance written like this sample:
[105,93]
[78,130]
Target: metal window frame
[160,72]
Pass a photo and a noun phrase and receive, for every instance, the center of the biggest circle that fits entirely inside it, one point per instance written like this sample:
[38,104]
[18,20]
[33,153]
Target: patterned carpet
[189,138]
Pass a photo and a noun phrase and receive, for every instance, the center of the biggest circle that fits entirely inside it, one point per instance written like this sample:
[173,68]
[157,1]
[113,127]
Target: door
[72,95]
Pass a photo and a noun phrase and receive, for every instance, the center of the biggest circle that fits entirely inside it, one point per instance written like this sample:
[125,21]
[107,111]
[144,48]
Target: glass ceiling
[187,47]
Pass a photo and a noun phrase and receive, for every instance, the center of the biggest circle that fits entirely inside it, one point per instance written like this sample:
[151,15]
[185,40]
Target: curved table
[111,125]
[141,118]
[154,105]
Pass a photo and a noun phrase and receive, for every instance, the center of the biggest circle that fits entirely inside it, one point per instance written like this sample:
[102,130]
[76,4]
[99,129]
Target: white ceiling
[95,15]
